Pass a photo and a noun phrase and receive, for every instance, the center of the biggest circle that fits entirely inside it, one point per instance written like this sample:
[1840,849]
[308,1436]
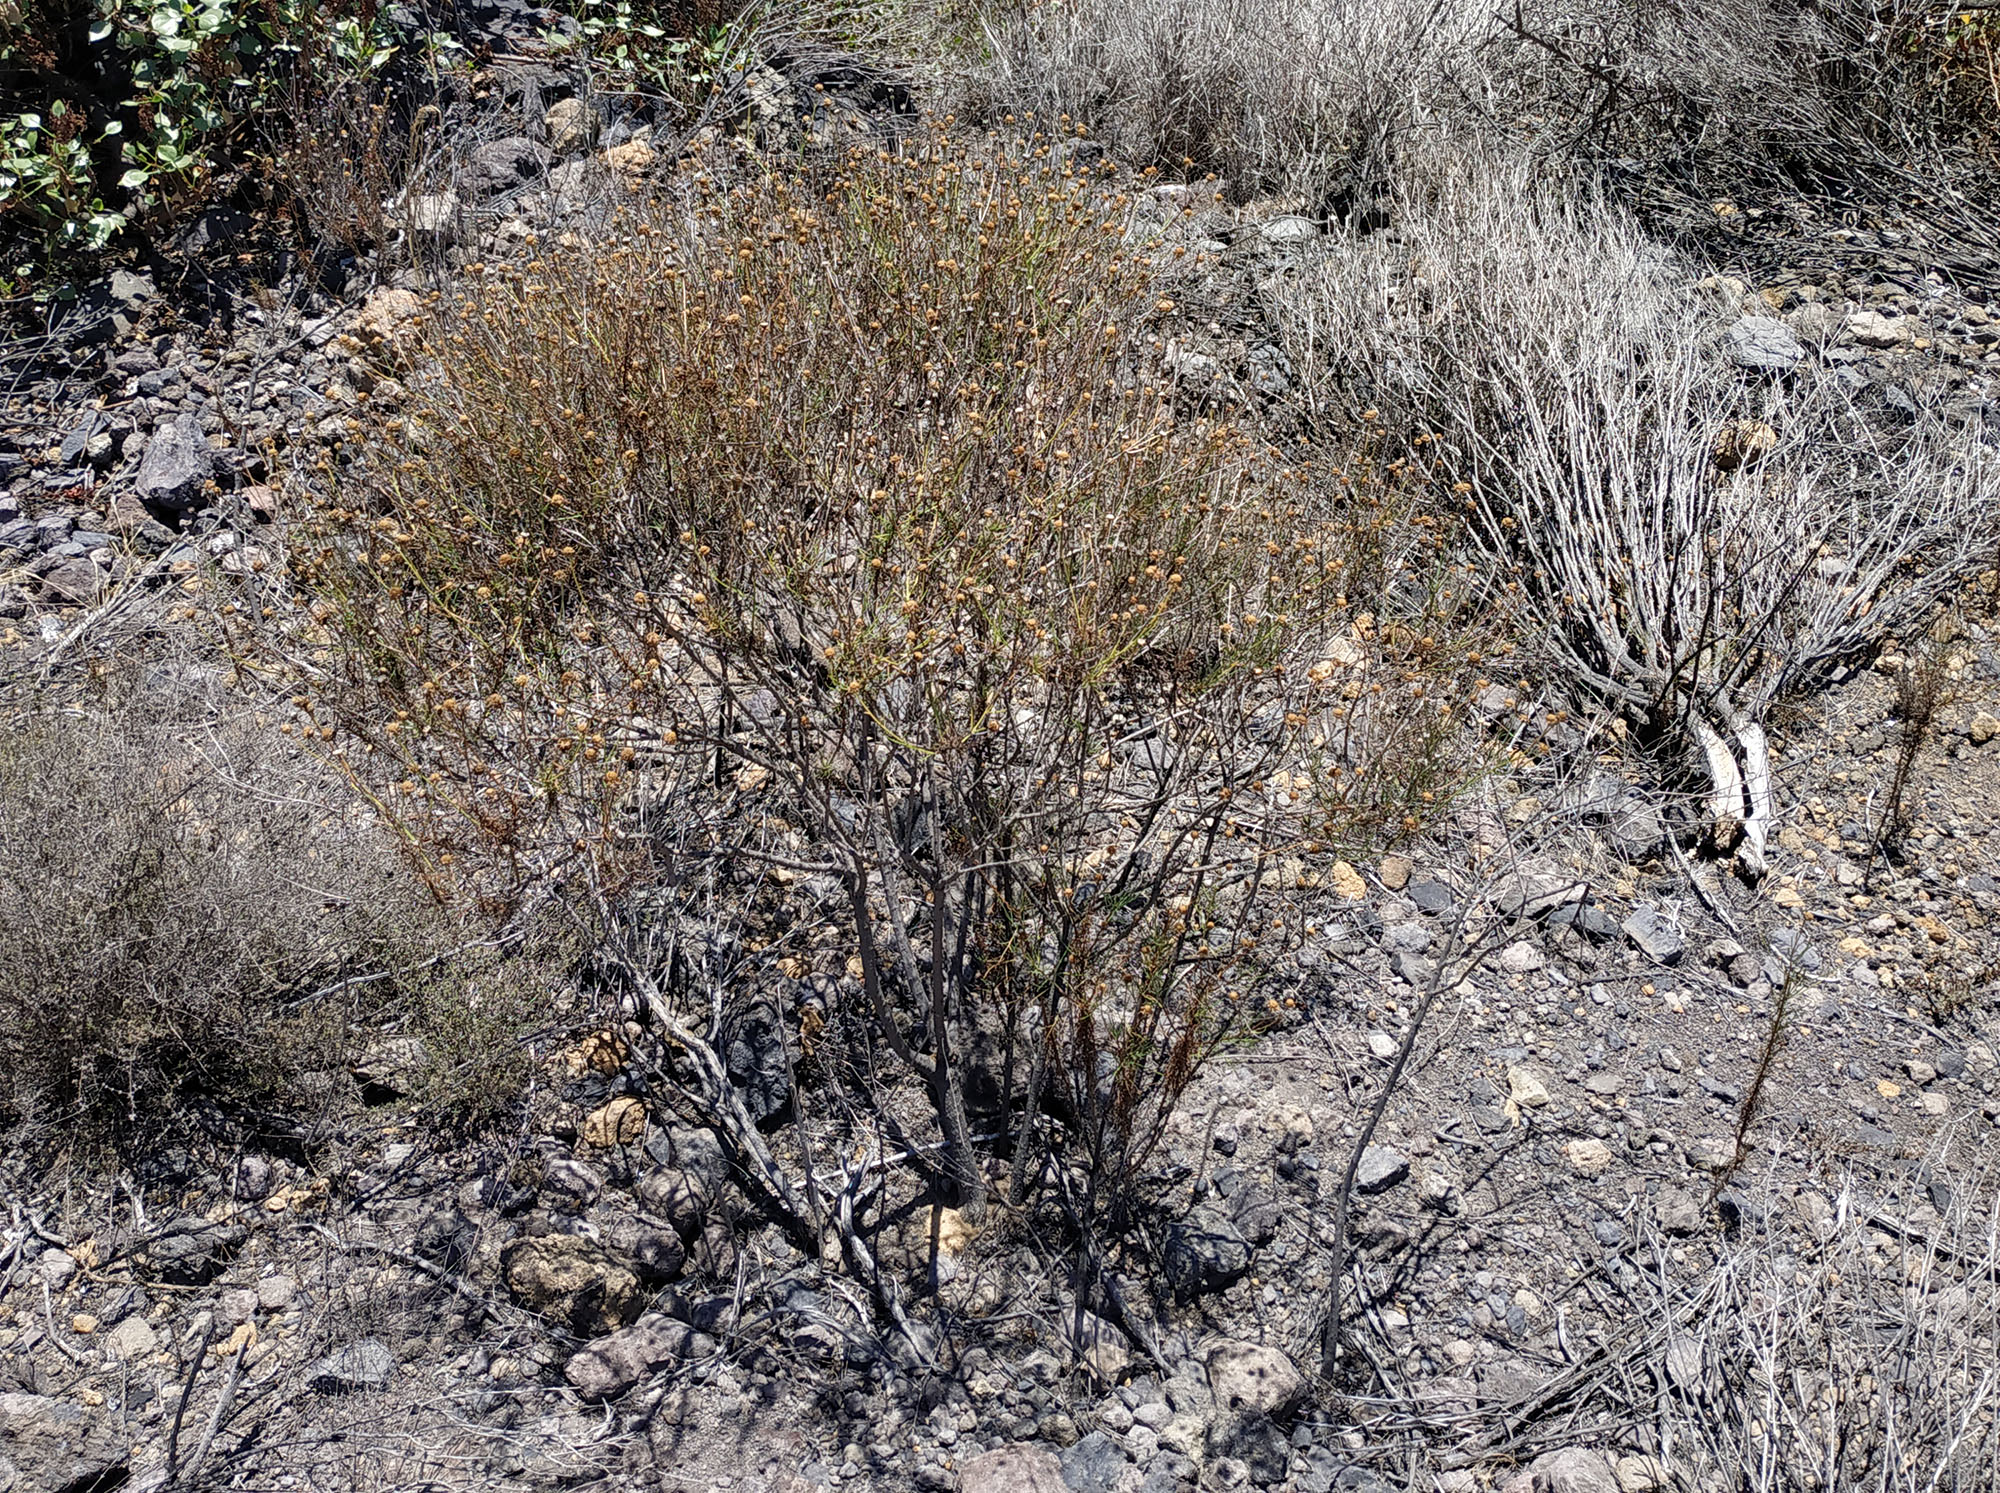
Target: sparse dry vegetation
[883,715]
[1687,545]
[225,930]
[1843,1345]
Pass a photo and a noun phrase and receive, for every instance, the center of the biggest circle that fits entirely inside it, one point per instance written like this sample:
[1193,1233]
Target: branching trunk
[1725,794]
[1756,748]
[1741,804]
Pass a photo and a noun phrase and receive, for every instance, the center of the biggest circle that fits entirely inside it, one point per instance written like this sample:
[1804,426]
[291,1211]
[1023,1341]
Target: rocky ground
[1640,1072]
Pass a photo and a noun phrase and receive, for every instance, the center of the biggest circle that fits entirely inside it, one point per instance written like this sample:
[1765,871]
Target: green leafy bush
[673,50]
[138,104]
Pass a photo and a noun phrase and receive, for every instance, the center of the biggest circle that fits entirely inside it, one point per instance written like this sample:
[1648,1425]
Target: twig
[1753,1096]
[1975,1267]
[1468,958]
[221,1411]
[187,1393]
[49,1311]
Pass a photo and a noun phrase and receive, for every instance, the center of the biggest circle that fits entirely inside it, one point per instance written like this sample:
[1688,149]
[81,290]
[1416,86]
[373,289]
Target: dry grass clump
[1750,84]
[1304,96]
[1324,99]
[1838,1337]
[1849,1344]
[1688,543]
[843,532]
[188,916]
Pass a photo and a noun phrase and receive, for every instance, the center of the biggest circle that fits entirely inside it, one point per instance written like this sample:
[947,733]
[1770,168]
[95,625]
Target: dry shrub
[1688,544]
[1847,1343]
[352,142]
[1304,96]
[1817,93]
[1853,101]
[188,915]
[843,533]
[340,159]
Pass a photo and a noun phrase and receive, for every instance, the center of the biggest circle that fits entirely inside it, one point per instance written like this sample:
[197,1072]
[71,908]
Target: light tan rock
[131,1339]
[1574,1469]
[1590,1157]
[569,1275]
[622,1122]
[1525,1089]
[632,161]
[1641,1474]
[1248,1376]
[385,327]
[1021,1468]
[1873,329]
[570,124]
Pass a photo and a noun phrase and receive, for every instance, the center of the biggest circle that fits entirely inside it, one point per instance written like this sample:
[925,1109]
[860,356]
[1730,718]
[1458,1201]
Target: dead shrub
[1685,543]
[1758,100]
[1301,97]
[1757,86]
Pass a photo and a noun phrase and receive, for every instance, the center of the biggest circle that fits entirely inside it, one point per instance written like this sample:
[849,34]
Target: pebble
[56,1267]
[1431,897]
[1654,937]
[1525,1089]
[1678,1214]
[275,1292]
[1873,329]
[132,1338]
[1763,342]
[1154,1415]
[1590,1157]
[1382,1167]
[367,1364]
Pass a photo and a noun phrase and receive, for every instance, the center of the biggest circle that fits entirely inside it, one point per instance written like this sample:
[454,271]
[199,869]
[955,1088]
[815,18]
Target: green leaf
[138,176]
[100,30]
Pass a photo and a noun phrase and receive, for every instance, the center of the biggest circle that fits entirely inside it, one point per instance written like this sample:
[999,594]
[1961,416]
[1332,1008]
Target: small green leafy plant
[46,173]
[639,45]
[141,105]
